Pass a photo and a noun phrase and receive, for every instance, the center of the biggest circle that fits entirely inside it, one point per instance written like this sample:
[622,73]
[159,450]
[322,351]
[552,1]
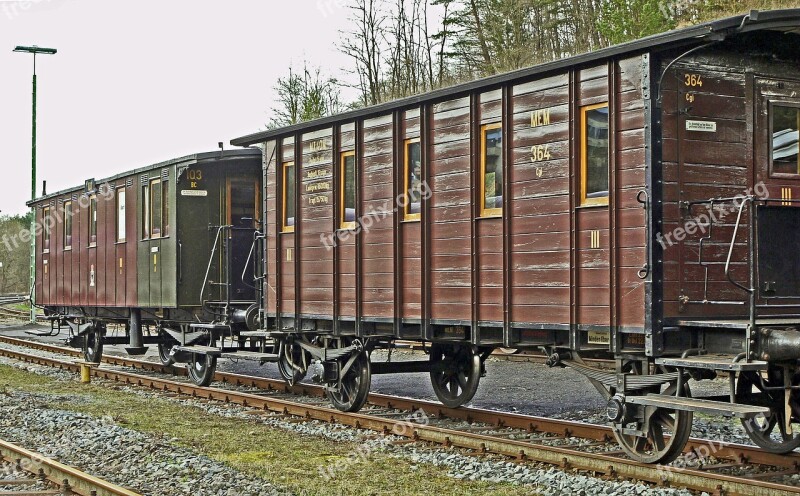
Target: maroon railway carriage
[634,203]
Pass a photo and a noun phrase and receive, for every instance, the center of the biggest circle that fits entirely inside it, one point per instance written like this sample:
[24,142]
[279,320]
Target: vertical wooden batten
[507,120]
[425,157]
[397,249]
[359,145]
[613,204]
[336,170]
[474,130]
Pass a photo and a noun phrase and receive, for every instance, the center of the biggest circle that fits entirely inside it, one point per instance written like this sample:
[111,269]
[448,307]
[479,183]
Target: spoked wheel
[93,343]
[655,435]
[769,431]
[455,373]
[291,365]
[201,368]
[165,344]
[352,390]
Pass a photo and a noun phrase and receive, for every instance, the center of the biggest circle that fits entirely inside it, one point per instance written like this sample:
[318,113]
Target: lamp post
[43,51]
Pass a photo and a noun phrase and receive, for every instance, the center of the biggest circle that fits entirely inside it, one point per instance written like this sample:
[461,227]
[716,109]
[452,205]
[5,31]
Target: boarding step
[713,362]
[252,355]
[698,405]
[200,350]
[254,334]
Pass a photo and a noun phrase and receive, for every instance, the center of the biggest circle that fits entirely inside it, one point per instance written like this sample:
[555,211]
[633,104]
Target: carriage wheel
[201,368]
[455,373]
[290,363]
[93,343]
[768,431]
[657,435]
[165,344]
[351,392]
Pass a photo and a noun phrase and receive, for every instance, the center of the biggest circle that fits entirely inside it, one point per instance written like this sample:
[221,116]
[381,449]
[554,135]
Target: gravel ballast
[132,458]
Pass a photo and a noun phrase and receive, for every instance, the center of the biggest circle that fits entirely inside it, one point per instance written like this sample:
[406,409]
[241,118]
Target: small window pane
[288,197]
[46,220]
[413,179]
[92,220]
[492,170]
[164,209]
[349,193]
[121,214]
[596,155]
[155,209]
[67,225]
[785,124]
[145,212]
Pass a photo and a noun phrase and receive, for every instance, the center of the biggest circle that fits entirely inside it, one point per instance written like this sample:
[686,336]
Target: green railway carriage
[155,249]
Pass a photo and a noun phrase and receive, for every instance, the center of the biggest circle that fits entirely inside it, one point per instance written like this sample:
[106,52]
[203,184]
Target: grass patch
[285,458]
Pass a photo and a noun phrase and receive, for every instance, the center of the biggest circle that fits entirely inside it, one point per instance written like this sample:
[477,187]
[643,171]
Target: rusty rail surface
[605,464]
[70,480]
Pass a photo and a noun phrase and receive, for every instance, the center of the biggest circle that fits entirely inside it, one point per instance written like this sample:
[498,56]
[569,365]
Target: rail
[493,438]
[69,479]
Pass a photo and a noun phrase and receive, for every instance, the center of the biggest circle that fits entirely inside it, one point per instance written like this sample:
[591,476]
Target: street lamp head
[35,49]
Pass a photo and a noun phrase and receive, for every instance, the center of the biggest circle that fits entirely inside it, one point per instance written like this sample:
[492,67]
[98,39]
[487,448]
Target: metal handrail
[744,201]
[211,261]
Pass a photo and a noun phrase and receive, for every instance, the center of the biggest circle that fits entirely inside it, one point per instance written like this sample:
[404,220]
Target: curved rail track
[566,444]
[64,479]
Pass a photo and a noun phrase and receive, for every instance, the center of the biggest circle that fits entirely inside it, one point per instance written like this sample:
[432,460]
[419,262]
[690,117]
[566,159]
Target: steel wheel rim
[667,434]
[762,428]
[455,373]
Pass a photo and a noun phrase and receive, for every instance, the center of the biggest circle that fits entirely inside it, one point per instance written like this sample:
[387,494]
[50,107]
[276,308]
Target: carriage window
[68,225]
[120,215]
[785,125]
[413,179]
[288,197]
[145,212]
[164,209]
[46,230]
[347,185]
[242,196]
[92,220]
[155,208]
[491,170]
[594,156]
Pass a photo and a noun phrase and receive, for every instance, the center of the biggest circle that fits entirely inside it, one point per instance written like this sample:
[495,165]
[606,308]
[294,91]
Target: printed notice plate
[194,192]
[599,337]
[701,126]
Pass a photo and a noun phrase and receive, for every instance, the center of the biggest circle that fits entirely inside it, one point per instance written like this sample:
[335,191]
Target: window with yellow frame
[347,191]
[412,173]
[491,170]
[288,198]
[594,155]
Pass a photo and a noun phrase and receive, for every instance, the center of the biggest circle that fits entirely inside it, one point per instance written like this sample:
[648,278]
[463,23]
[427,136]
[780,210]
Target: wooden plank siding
[696,170]
[544,235]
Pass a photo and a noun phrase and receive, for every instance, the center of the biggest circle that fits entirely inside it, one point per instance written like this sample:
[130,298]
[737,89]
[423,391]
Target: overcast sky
[139,81]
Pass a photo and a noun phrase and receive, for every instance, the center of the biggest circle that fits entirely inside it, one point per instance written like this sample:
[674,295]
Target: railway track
[6,311]
[733,468]
[24,472]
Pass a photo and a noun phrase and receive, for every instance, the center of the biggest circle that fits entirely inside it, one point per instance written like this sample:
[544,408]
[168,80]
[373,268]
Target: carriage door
[242,212]
[778,176]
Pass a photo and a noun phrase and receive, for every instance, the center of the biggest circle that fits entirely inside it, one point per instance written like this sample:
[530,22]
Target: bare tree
[364,44]
[304,96]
